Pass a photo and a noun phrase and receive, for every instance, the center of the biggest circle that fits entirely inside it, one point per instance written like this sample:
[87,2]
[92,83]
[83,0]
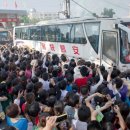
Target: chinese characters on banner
[76,50]
[52,47]
[43,46]
[62,48]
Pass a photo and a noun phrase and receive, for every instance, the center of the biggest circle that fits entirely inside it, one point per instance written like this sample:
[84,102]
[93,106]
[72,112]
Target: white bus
[103,41]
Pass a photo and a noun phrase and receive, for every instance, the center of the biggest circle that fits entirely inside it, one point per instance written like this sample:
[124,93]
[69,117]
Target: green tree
[95,15]
[108,13]
[24,19]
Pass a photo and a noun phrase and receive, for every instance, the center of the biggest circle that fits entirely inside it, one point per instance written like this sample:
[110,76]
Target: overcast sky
[121,7]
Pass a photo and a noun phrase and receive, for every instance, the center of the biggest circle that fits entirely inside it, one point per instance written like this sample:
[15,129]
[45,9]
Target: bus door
[109,53]
[124,30]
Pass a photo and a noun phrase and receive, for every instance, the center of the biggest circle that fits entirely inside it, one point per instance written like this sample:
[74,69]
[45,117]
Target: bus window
[43,33]
[109,47]
[92,31]
[58,34]
[24,34]
[77,34]
[52,33]
[63,33]
[35,33]
[18,33]
[124,47]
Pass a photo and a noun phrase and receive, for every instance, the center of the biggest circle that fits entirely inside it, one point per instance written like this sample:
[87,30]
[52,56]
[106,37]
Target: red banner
[9,19]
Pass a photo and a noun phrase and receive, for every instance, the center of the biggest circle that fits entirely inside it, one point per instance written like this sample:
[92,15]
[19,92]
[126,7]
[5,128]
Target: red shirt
[36,119]
[82,81]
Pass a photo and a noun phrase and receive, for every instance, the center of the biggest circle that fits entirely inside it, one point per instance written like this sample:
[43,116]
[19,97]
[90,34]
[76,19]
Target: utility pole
[66,11]
[67,8]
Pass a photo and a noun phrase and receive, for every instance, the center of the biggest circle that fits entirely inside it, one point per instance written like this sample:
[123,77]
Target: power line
[115,5]
[85,8]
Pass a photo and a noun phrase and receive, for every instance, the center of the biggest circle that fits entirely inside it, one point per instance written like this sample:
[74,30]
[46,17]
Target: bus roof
[76,20]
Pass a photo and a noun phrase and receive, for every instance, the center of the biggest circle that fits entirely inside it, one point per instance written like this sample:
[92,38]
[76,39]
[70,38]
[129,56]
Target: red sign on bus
[76,50]
[52,47]
[62,48]
[9,19]
[43,46]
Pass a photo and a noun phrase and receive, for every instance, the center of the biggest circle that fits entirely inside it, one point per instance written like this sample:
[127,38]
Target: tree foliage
[24,19]
[27,20]
[108,13]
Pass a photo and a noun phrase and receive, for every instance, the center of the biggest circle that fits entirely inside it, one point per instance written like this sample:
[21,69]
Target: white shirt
[94,87]
[63,94]
[45,84]
[79,125]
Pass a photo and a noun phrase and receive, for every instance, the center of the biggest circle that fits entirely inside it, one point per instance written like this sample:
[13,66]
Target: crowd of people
[50,92]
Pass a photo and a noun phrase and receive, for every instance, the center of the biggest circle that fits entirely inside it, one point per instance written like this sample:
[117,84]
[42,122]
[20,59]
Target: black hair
[16,89]
[38,73]
[84,71]
[118,82]
[34,79]
[33,109]
[51,101]
[58,108]
[55,59]
[74,100]
[63,58]
[88,63]
[75,88]
[67,97]
[3,89]
[45,76]
[115,73]
[30,87]
[72,64]
[70,78]
[37,86]
[41,97]
[98,100]
[23,66]
[66,66]
[93,66]
[84,90]
[54,73]
[84,113]
[105,75]
[94,125]
[102,68]
[3,75]
[30,97]
[62,85]
[52,92]
[109,117]
[100,88]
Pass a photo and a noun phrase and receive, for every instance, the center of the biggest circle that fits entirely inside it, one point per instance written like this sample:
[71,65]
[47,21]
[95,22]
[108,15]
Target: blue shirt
[21,124]
[69,88]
